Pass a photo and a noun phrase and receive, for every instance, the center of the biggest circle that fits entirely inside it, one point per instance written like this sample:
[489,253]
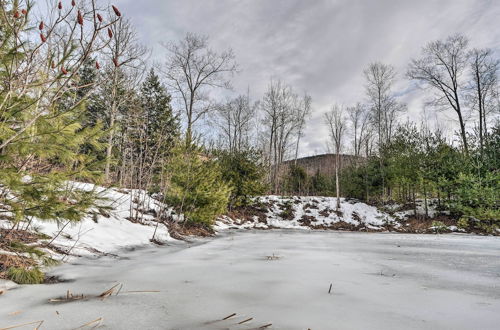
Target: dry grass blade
[15,313]
[119,289]
[265,326]
[39,324]
[95,324]
[229,316]
[245,321]
[108,292]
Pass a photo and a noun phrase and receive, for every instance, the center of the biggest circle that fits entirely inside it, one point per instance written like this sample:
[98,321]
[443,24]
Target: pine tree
[40,134]
[196,188]
[162,126]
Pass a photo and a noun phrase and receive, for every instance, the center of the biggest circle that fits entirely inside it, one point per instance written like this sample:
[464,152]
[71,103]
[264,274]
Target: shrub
[31,275]
[244,171]
[196,188]
[439,226]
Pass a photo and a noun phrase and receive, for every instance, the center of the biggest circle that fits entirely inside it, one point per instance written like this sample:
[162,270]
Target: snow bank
[126,222]
[306,212]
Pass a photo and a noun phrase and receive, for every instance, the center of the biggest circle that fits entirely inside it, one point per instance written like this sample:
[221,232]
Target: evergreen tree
[41,137]
[162,126]
[196,188]
[244,171]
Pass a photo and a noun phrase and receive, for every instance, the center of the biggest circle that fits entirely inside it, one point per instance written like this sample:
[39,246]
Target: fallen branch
[25,324]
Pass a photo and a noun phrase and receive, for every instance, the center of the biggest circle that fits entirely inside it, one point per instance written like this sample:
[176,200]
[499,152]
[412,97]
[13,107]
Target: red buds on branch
[73,3]
[97,66]
[59,5]
[24,11]
[117,12]
[79,18]
[99,17]
[42,37]
[110,33]
[115,62]
[41,26]
[16,14]
[63,70]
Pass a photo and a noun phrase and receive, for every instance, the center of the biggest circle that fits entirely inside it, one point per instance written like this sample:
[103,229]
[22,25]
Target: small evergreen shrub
[196,188]
[439,226]
[26,276]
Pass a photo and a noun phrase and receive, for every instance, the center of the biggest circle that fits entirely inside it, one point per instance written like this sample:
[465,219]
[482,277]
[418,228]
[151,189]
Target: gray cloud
[321,46]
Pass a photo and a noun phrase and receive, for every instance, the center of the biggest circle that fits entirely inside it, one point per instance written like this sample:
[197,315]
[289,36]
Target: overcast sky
[319,46]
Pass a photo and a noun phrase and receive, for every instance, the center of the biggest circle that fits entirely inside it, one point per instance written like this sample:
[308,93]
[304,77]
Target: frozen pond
[379,281]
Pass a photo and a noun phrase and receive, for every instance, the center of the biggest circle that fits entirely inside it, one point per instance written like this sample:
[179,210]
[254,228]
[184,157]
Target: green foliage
[33,252]
[162,126]
[196,188]
[420,164]
[463,223]
[439,226]
[42,137]
[296,180]
[322,185]
[362,181]
[20,275]
[287,211]
[244,172]
[478,197]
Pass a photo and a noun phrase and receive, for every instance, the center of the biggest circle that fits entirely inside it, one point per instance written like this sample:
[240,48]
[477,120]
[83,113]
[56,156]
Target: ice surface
[379,281]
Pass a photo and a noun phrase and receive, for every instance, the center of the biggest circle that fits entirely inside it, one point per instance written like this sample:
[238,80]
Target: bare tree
[336,122]
[192,70]
[384,107]
[303,111]
[483,86]
[126,55]
[442,67]
[235,119]
[359,118]
[283,117]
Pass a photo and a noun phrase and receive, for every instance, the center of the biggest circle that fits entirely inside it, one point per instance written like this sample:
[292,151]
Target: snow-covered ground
[379,281]
[304,212]
[110,230]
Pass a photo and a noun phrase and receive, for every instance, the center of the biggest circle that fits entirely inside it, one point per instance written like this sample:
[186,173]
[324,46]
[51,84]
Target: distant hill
[324,164]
